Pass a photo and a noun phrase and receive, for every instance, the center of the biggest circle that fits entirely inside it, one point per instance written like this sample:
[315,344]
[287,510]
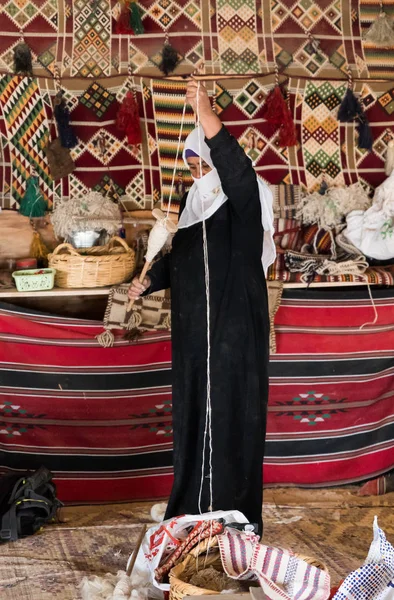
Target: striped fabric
[288,234]
[286,200]
[375,275]
[100,418]
[282,575]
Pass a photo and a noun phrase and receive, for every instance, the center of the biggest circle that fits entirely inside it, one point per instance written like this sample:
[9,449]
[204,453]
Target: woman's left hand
[197,89]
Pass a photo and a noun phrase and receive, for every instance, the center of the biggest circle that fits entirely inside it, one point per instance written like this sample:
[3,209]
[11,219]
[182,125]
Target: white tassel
[381,32]
[389,164]
[134,320]
[106,339]
[158,511]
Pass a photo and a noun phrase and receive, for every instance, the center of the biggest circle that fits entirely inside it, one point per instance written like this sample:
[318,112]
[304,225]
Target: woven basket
[184,571]
[179,589]
[99,266]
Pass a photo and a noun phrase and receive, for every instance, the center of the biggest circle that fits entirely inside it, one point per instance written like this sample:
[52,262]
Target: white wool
[158,512]
[98,211]
[329,210]
[371,231]
[123,588]
[98,588]
[113,587]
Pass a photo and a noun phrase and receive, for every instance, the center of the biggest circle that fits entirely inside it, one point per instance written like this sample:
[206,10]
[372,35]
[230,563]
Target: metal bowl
[84,239]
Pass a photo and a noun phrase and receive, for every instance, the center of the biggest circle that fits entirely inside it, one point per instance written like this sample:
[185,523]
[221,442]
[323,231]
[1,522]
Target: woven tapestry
[313,43]
[330,412]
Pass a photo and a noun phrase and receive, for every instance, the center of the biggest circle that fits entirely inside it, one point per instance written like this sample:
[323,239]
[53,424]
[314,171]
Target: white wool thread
[208,410]
[373,306]
[157,239]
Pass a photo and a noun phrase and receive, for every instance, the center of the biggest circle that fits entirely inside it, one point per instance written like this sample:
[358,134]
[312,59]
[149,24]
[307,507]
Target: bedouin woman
[237,208]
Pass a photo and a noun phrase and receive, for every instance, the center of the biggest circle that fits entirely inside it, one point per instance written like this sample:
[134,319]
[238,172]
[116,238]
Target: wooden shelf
[327,284]
[56,292]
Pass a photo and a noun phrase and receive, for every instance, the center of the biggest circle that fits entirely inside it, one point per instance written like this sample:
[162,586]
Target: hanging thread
[208,413]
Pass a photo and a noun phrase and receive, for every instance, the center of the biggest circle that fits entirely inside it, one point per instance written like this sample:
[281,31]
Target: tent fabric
[100,418]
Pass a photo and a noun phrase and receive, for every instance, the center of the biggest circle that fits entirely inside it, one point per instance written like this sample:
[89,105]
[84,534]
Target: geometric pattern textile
[314,41]
[331,399]
[169,100]
[320,129]
[26,136]
[97,99]
[92,35]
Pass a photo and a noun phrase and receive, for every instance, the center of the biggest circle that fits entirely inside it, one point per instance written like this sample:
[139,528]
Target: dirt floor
[333,525]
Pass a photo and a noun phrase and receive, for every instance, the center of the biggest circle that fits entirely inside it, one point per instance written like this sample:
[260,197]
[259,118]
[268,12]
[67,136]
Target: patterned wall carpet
[335,527]
[231,37]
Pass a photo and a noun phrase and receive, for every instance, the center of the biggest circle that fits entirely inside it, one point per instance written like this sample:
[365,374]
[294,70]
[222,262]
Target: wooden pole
[133,558]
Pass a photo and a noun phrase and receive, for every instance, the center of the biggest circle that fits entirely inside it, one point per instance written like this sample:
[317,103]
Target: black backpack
[27,502]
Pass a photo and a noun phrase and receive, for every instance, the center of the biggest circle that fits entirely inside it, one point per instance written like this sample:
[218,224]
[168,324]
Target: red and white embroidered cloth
[281,574]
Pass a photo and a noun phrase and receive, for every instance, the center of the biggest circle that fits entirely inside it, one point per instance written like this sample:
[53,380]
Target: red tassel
[128,119]
[287,133]
[276,112]
[274,108]
[123,23]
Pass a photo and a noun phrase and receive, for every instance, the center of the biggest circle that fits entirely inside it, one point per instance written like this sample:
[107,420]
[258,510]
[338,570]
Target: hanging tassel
[276,112]
[106,339]
[130,21]
[132,335]
[62,115]
[38,249]
[389,163]
[381,32]
[350,107]
[128,119]
[274,108]
[135,18]
[169,58]
[123,23]
[287,132]
[365,139]
[23,64]
[323,186]
[33,204]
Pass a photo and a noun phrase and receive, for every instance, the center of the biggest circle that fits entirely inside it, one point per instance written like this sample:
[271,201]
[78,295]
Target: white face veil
[206,196]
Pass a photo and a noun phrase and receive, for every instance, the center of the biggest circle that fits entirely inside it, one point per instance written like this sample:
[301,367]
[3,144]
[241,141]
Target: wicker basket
[182,572]
[99,266]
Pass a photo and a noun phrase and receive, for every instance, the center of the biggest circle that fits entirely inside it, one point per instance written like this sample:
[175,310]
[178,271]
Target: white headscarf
[206,196]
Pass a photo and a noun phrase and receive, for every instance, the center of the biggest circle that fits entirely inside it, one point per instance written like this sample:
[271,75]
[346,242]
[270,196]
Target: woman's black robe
[239,344]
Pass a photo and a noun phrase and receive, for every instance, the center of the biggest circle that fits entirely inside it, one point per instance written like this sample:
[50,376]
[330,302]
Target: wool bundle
[329,210]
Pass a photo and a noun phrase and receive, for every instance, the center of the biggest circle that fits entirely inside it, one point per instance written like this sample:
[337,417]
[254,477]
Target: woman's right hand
[136,288]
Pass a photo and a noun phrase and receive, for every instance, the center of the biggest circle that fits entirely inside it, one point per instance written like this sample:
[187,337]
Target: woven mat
[332,525]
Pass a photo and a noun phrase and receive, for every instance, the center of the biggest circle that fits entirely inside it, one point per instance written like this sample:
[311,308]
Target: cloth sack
[59,160]
[281,574]
[375,579]
[372,231]
[151,313]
